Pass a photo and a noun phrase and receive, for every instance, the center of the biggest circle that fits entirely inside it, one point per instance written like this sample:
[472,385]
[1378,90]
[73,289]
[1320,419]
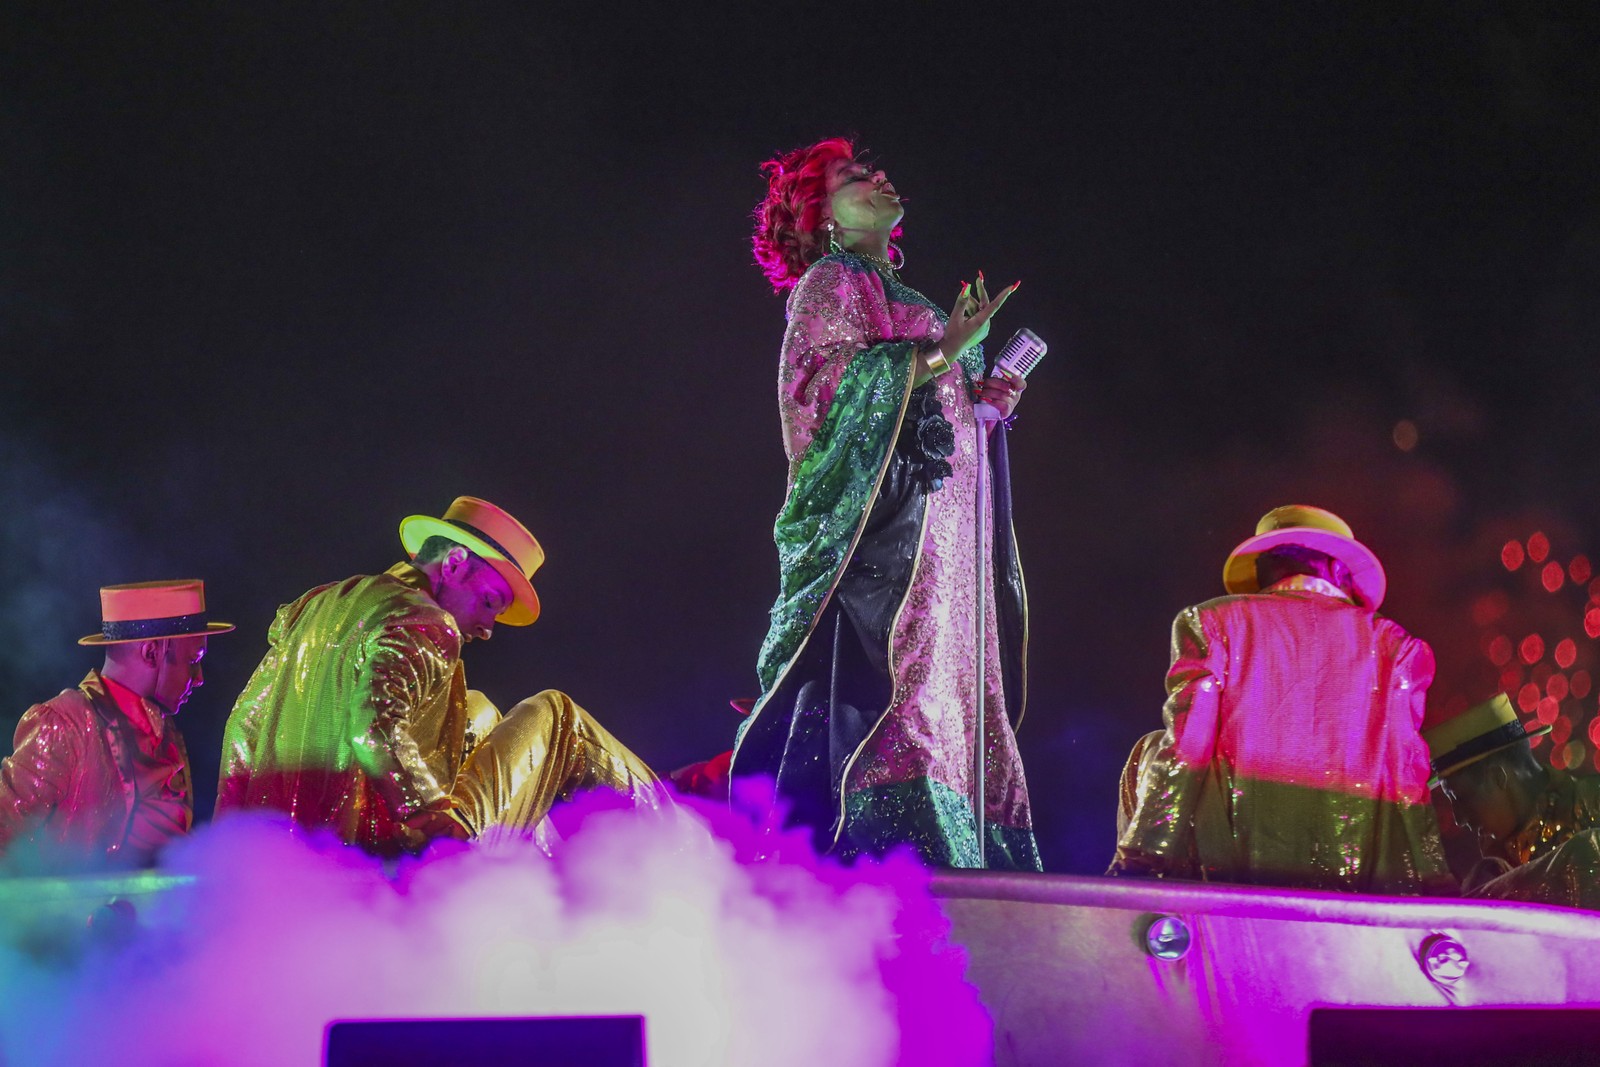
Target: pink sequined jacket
[68,783]
[1292,754]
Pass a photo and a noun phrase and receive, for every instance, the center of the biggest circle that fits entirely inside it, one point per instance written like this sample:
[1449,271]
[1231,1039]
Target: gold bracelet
[935,360]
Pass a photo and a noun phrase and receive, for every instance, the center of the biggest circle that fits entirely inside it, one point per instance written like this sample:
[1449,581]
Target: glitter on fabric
[1291,754]
[359,717]
[844,383]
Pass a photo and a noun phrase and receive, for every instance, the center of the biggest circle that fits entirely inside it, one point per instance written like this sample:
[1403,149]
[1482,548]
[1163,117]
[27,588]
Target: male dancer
[1291,754]
[100,775]
[359,718]
[1538,827]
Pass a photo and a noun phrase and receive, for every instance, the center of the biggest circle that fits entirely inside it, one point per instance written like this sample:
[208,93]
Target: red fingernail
[1016,285]
[980,275]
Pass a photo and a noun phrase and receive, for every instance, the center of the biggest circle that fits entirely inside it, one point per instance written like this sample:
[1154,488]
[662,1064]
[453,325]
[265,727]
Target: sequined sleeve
[35,777]
[409,665]
[1159,839]
[837,317]
[842,391]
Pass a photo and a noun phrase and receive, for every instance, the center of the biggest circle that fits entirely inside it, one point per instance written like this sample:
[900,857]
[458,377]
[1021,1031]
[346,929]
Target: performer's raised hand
[969,318]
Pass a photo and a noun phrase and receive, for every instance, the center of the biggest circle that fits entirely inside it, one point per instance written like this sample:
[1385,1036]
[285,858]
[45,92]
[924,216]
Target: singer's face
[861,199]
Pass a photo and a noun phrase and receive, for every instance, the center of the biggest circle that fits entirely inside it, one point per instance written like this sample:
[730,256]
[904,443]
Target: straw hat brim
[1438,778]
[211,628]
[524,609]
[1239,572]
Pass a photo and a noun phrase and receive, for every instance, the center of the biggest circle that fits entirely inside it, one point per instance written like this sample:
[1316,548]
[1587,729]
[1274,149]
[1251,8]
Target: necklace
[882,264]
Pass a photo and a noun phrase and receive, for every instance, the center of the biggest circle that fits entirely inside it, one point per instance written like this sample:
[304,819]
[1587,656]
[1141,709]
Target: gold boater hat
[491,534]
[146,611]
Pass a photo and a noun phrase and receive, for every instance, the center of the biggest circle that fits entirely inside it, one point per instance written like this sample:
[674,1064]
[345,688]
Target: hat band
[138,629]
[491,542]
[1499,737]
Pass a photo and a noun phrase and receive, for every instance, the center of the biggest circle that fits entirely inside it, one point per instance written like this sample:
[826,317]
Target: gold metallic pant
[544,750]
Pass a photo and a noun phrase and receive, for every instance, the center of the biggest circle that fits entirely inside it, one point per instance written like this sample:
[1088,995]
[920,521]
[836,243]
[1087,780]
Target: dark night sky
[273,276]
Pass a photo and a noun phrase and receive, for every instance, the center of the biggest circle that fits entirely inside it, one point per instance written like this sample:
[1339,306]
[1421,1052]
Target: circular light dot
[1511,679]
[1580,684]
[1580,569]
[1566,652]
[1500,651]
[1535,742]
[1512,555]
[1546,709]
[1591,622]
[1556,687]
[1553,576]
[1594,589]
[1531,649]
[1528,698]
[1561,730]
[1405,435]
[1594,731]
[1538,547]
[1490,607]
[1576,752]
[1558,756]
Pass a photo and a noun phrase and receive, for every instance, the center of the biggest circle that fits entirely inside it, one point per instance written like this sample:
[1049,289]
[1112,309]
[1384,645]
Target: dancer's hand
[969,318]
[1002,393]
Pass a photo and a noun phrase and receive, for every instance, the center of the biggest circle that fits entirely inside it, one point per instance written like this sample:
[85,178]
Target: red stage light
[1532,649]
[1580,684]
[1547,710]
[1556,687]
[1511,555]
[1579,569]
[1538,547]
[1490,608]
[1500,651]
[1528,697]
[1575,753]
[1553,576]
[1566,652]
[1560,730]
[1591,622]
[1594,731]
[1405,435]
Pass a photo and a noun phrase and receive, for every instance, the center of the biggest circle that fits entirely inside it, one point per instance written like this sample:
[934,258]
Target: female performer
[867,718]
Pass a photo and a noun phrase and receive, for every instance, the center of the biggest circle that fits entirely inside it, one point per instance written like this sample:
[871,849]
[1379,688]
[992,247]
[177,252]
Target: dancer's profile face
[473,593]
[1481,801]
[178,672]
[861,200]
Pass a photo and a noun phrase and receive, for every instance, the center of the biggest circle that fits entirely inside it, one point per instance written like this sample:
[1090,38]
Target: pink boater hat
[1314,528]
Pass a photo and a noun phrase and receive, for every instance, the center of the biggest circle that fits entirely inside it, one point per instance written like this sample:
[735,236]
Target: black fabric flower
[927,438]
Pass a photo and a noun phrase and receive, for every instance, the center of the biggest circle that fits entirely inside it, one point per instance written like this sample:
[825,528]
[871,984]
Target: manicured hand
[969,318]
[1002,393]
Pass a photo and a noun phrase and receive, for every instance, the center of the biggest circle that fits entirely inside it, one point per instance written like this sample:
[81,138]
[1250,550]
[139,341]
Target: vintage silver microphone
[1016,361]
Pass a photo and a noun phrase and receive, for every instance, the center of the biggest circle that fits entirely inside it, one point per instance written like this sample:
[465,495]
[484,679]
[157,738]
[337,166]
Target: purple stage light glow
[737,948]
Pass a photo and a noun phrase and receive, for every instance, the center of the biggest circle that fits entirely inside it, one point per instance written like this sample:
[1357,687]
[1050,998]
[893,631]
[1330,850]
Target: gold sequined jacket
[357,717]
[69,784]
[1567,805]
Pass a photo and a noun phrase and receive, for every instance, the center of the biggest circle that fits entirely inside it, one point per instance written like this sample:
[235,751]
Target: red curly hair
[788,236]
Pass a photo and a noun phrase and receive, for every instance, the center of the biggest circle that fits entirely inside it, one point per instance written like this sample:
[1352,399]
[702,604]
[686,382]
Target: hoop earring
[834,247]
[895,250]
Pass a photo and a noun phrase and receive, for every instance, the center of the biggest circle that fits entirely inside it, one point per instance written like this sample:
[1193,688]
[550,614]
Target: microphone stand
[985,415]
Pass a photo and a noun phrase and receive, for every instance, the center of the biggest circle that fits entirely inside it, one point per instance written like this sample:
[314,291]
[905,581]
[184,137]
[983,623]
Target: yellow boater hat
[1475,734]
[146,611]
[491,534]
[1317,529]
